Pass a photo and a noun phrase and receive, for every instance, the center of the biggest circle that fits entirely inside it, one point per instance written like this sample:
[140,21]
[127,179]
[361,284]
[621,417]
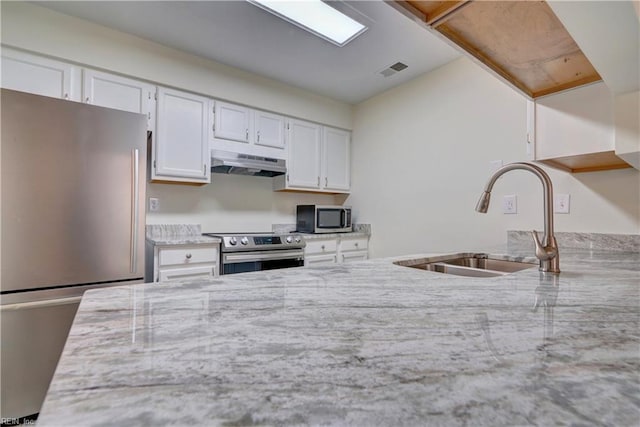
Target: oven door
[242,262]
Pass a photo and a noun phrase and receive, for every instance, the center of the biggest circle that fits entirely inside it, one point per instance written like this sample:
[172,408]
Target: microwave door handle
[343,218]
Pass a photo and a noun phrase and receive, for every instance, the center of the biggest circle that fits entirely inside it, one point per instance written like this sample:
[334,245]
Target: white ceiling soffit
[244,36]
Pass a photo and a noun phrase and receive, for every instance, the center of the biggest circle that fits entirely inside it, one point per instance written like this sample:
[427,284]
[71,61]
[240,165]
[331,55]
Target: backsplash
[164,231]
[518,240]
[288,228]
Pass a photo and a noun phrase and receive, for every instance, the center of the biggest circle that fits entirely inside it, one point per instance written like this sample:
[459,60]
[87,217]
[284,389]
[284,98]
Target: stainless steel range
[243,252]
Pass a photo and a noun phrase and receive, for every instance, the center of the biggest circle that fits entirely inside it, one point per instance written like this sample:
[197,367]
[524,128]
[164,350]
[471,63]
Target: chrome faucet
[547,253]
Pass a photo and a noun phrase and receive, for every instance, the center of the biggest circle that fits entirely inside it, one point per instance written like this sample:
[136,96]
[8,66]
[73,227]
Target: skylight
[315,16]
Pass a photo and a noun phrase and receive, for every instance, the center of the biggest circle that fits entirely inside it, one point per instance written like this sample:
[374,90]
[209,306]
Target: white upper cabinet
[120,93]
[181,148]
[39,75]
[319,159]
[269,129]
[574,130]
[303,165]
[244,130]
[231,122]
[336,147]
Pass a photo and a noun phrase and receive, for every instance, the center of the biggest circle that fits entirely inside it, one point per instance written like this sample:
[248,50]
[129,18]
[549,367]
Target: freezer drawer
[33,336]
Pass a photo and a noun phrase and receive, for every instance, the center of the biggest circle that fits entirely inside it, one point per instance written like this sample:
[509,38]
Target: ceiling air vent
[393,69]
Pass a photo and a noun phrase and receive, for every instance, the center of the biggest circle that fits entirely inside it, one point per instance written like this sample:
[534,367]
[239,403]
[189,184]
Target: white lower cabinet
[321,251]
[179,262]
[320,259]
[335,250]
[353,249]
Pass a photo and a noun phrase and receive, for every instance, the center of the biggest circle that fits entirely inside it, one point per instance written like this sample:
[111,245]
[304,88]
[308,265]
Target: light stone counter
[362,344]
[177,234]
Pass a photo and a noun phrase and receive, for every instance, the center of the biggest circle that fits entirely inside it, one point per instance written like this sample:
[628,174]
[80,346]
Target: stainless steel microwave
[323,219]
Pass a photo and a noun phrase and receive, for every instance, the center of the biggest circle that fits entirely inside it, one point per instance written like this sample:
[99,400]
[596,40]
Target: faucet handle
[543,253]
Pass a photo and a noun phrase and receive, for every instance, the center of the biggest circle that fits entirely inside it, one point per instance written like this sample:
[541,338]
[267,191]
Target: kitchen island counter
[367,343]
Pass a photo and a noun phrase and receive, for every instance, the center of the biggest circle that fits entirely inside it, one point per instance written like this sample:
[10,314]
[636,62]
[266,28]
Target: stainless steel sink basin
[470,265]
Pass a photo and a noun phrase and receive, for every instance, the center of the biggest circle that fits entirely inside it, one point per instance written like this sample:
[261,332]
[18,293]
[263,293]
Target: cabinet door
[181,146]
[120,93]
[269,129]
[336,149]
[354,256]
[303,169]
[231,122]
[320,260]
[38,75]
[186,273]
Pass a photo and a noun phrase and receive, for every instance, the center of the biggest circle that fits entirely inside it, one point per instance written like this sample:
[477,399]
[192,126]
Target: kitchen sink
[470,265]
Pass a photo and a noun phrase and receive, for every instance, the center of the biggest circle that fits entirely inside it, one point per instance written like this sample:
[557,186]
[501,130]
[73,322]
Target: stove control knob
[244,240]
[297,239]
[289,239]
[233,241]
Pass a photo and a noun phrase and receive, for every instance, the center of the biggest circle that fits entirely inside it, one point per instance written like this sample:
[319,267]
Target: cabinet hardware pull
[258,136]
[318,181]
[287,177]
[188,256]
[86,100]
[326,181]
[66,96]
[246,134]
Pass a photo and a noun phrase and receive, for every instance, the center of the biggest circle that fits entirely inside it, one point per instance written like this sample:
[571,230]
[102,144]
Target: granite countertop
[178,234]
[351,234]
[368,343]
[184,239]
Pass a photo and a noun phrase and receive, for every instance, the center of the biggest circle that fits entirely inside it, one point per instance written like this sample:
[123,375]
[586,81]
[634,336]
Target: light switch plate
[510,204]
[561,203]
[154,204]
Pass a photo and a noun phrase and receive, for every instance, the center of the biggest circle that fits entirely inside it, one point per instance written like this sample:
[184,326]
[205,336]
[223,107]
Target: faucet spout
[547,250]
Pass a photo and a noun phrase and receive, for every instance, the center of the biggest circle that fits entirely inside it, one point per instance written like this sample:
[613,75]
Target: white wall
[230,202]
[422,155]
[627,134]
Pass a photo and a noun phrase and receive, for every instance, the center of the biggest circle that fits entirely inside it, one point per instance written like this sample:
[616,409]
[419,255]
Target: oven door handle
[235,258]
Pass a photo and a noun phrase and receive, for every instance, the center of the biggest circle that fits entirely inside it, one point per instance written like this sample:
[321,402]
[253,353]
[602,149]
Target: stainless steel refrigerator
[73,215]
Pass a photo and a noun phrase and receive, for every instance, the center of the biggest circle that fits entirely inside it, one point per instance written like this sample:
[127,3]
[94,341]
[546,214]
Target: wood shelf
[591,162]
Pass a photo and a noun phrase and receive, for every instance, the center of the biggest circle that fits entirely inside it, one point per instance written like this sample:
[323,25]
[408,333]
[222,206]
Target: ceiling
[244,36]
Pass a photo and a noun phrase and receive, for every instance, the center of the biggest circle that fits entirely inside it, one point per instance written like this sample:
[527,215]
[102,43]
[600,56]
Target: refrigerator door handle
[135,214]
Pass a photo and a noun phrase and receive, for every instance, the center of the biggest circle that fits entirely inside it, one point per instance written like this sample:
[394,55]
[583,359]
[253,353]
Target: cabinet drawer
[187,255]
[354,256]
[320,260]
[186,273]
[320,246]
[354,244]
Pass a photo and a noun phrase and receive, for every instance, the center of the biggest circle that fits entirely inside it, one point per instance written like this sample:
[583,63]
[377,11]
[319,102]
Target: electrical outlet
[510,204]
[561,203]
[154,204]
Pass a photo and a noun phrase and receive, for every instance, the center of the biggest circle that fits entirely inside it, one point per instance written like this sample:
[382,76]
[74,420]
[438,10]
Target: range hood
[246,164]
